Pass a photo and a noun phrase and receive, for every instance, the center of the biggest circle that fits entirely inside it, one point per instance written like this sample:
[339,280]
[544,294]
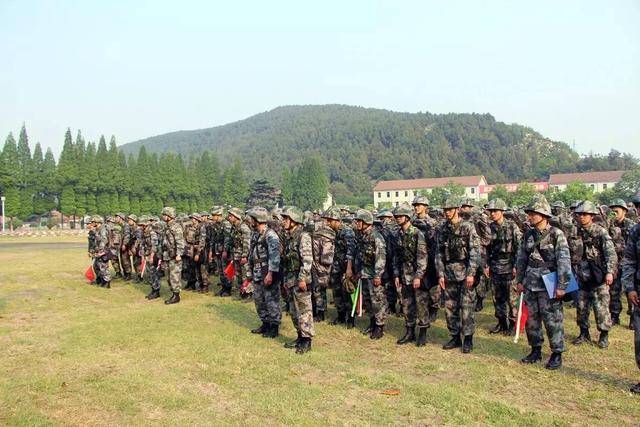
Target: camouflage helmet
[497,205]
[294,213]
[539,205]
[558,204]
[364,216]
[121,215]
[619,203]
[133,217]
[403,210]
[111,218]
[385,213]
[143,220]
[260,214]
[237,212]
[195,215]
[169,211]
[587,207]
[420,200]
[467,201]
[332,213]
[97,218]
[452,202]
[575,204]
[217,210]
[154,218]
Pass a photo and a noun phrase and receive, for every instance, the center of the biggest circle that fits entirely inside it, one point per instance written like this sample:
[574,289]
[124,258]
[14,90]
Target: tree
[576,191]
[523,195]
[310,184]
[437,196]
[499,192]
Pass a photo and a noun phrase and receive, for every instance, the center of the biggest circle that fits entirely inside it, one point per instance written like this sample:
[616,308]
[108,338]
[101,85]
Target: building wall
[598,187]
[397,197]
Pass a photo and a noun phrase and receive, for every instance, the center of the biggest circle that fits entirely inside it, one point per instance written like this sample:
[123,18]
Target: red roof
[410,184]
[586,177]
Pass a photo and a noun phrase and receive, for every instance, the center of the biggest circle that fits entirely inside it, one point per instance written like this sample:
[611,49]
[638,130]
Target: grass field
[73,354]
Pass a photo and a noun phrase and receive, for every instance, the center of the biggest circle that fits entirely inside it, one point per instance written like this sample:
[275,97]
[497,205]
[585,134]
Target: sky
[134,69]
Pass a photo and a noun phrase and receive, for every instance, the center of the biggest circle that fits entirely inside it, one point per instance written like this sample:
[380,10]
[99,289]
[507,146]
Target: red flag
[230,271]
[244,286]
[524,314]
[143,266]
[90,274]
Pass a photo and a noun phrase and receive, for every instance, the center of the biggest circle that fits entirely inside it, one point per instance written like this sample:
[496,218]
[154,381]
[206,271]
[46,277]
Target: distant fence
[30,232]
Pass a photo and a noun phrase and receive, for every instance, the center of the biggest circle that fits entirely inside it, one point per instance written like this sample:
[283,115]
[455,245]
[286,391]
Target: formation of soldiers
[286,260]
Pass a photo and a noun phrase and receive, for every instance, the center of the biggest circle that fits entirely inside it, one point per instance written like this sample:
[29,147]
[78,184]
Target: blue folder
[551,281]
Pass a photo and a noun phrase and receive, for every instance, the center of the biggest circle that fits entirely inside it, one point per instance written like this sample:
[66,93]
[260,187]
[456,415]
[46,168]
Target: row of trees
[98,178]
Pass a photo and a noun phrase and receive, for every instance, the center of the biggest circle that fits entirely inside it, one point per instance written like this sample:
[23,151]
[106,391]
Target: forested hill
[362,145]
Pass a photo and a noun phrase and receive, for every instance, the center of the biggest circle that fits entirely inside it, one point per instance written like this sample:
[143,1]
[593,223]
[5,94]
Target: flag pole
[518,319]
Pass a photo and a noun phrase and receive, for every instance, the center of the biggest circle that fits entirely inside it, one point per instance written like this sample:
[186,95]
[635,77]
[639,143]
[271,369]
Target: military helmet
[121,215]
[169,211]
[217,210]
[403,210]
[451,203]
[636,198]
[539,205]
[575,204]
[154,218]
[385,213]
[97,218]
[467,201]
[420,200]
[587,207]
[619,203]
[237,212]
[332,213]
[497,205]
[133,217]
[143,220]
[294,213]
[260,214]
[364,216]
[195,215]
[110,218]
[558,204]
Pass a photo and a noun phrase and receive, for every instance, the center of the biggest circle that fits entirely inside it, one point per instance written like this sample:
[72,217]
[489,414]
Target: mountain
[362,145]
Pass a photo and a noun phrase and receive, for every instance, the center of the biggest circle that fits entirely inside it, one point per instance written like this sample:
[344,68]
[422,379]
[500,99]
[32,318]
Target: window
[473,190]
[406,194]
[388,194]
[379,195]
[593,187]
[604,186]
[397,203]
[397,193]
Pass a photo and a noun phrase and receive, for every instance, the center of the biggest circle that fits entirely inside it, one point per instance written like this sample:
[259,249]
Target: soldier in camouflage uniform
[567,223]
[409,268]
[149,249]
[501,260]
[102,252]
[135,246]
[191,232]
[388,227]
[125,245]
[480,220]
[544,250]
[202,254]
[114,231]
[264,271]
[619,230]
[457,260]
[237,249]
[172,250]
[220,229]
[323,245]
[428,225]
[297,259]
[595,274]
[91,242]
[631,283]
[342,266]
[370,267]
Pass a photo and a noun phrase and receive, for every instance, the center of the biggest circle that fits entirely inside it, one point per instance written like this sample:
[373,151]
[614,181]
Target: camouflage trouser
[482,285]
[459,305]
[392,293]
[374,300]
[319,290]
[174,273]
[635,321]
[189,269]
[220,266]
[115,263]
[301,310]
[125,259]
[341,298]
[548,311]
[415,306]
[505,297]
[598,297]
[615,292]
[102,270]
[154,276]
[241,274]
[435,299]
[137,264]
[202,273]
[267,300]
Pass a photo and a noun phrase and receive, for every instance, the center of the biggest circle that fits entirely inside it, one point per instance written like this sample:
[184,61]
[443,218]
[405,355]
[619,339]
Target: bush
[53,222]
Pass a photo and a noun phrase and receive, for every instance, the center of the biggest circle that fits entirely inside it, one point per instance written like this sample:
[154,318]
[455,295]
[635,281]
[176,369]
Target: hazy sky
[569,69]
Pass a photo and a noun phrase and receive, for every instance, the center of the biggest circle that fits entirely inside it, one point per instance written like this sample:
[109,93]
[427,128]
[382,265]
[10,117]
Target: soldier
[91,242]
[428,225]
[501,261]
[173,248]
[203,252]
[114,231]
[237,250]
[190,266]
[481,222]
[102,252]
[323,245]
[264,270]
[135,246]
[388,227]
[149,248]
[544,250]
[220,229]
[370,267]
[125,244]
[409,268]
[595,274]
[457,259]
[631,283]
[342,266]
[297,258]
[619,230]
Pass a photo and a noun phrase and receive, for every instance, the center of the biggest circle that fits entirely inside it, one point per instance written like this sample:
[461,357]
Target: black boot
[421,341]
[155,293]
[479,304]
[339,319]
[534,356]
[350,322]
[467,346]
[204,289]
[295,343]
[555,361]
[107,285]
[512,328]
[175,298]
[583,337]
[501,327]
[225,292]
[319,317]
[305,345]
[615,320]
[454,342]
[127,277]
[635,388]
[377,332]
[409,336]
[272,330]
[260,329]
[368,329]
[603,341]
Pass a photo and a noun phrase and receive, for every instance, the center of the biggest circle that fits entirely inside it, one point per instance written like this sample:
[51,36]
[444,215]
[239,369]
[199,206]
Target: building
[538,186]
[598,181]
[404,190]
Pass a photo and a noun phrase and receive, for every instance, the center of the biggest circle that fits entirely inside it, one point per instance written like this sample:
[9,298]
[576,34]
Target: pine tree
[25,166]
[67,175]
[10,178]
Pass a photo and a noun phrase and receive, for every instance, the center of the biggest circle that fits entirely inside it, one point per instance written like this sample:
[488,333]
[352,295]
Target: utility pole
[2,199]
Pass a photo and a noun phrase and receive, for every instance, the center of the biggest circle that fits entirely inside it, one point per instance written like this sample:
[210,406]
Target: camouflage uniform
[114,231]
[220,230]
[237,248]
[102,250]
[429,226]
[389,230]
[323,245]
[173,246]
[136,251]
[202,265]
[125,246]
[619,231]
[149,249]
[191,234]
[483,231]
[631,283]
[344,251]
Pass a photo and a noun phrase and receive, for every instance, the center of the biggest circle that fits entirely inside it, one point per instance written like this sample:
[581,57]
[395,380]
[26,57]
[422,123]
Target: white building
[404,190]
[598,181]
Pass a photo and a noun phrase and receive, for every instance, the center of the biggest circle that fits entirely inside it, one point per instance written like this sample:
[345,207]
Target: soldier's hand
[377,281]
[486,272]
[633,297]
[560,293]
[243,261]
[224,254]
[609,279]
[178,257]
[349,273]
[520,288]
[123,248]
[441,282]
[89,254]
[396,282]
[268,279]
[302,285]
[210,258]
[416,283]
[196,258]
[469,282]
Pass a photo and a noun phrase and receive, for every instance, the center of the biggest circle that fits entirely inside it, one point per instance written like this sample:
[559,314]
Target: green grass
[74,354]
